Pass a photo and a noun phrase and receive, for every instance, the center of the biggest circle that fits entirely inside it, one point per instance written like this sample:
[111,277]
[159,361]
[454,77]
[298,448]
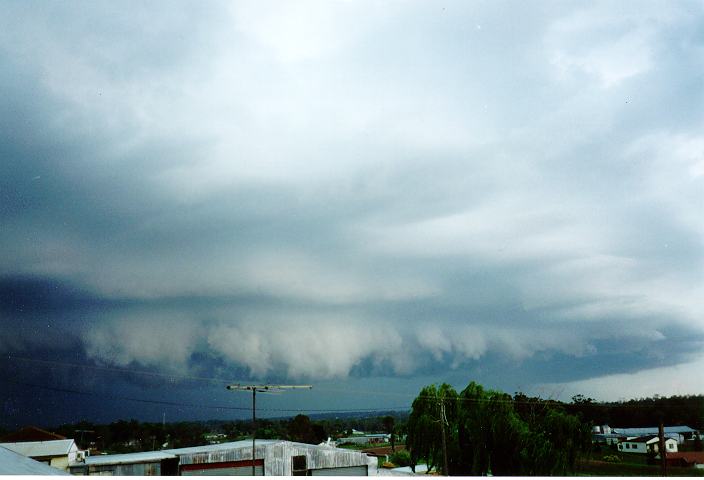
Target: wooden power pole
[262,389]
[443,421]
[663,450]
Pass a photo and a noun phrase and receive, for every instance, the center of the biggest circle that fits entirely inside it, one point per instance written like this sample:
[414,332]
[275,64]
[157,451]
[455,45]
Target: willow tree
[432,425]
[484,434]
[491,434]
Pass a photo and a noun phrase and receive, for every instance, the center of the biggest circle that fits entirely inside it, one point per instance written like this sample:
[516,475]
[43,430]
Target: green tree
[486,435]
[300,429]
[389,428]
[433,407]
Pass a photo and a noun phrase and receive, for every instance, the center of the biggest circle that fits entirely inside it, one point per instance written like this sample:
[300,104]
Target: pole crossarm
[268,388]
[263,388]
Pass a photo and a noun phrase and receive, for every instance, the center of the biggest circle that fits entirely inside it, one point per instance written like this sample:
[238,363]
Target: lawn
[599,468]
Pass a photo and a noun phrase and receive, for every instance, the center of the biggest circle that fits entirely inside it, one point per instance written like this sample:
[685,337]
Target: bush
[401,458]
[611,458]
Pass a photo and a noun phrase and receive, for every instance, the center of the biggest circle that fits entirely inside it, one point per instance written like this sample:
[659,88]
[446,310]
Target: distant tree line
[643,412]
[536,415]
[133,436]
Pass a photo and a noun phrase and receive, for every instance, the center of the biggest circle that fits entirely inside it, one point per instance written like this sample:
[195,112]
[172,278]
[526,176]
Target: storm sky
[368,196]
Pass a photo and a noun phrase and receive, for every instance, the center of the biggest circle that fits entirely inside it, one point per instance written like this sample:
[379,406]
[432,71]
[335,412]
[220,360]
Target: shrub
[401,458]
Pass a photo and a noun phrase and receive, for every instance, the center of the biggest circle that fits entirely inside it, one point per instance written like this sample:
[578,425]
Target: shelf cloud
[349,190]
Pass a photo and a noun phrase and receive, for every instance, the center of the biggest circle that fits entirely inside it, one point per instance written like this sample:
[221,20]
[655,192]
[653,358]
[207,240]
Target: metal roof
[216,447]
[48,448]
[644,439]
[137,457]
[652,430]
[276,454]
[12,463]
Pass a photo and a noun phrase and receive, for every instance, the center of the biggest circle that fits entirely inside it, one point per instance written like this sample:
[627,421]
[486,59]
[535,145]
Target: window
[628,445]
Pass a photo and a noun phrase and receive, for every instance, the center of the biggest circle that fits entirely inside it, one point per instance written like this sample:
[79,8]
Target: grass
[630,468]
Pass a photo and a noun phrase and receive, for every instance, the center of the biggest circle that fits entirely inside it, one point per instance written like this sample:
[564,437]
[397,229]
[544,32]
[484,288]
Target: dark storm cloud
[27,295]
[259,190]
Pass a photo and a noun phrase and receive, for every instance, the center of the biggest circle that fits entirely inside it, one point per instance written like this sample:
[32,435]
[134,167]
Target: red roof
[31,434]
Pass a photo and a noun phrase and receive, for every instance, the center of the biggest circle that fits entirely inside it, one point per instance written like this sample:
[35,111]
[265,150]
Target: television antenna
[262,388]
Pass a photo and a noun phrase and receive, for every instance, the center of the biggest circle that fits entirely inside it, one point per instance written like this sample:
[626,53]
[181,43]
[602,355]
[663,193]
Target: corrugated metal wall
[225,455]
[278,460]
[277,457]
[131,469]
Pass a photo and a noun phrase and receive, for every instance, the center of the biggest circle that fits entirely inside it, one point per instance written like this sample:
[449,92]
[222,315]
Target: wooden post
[444,441]
[663,450]
[254,427]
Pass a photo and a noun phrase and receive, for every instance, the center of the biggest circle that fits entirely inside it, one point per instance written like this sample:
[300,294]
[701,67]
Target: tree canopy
[484,433]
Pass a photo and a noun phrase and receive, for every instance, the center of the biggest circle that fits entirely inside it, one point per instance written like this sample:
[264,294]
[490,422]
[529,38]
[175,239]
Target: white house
[649,443]
[678,432]
[56,453]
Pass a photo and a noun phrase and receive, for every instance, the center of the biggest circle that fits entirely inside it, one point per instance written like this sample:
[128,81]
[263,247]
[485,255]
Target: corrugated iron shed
[218,448]
[138,457]
[131,464]
[49,448]
[318,458]
[276,454]
[12,463]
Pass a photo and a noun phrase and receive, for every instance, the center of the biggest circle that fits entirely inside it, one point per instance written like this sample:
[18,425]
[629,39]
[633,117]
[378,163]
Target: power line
[595,404]
[194,405]
[263,389]
[54,363]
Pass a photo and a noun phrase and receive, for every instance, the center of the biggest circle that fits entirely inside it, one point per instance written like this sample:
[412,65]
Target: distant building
[367,438]
[679,433]
[649,443]
[610,436]
[272,457]
[56,453]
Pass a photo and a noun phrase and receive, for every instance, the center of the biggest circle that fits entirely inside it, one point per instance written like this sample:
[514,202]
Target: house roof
[646,439]
[49,448]
[633,432]
[12,463]
[30,434]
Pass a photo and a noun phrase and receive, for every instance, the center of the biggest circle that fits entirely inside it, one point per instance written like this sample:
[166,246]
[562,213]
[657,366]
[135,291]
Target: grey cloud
[439,187]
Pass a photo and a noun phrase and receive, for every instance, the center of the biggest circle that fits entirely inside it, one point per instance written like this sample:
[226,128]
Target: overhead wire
[196,405]
[358,391]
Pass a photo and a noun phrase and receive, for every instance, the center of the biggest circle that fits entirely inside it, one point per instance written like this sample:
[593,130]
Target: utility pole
[663,450]
[262,389]
[443,421]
